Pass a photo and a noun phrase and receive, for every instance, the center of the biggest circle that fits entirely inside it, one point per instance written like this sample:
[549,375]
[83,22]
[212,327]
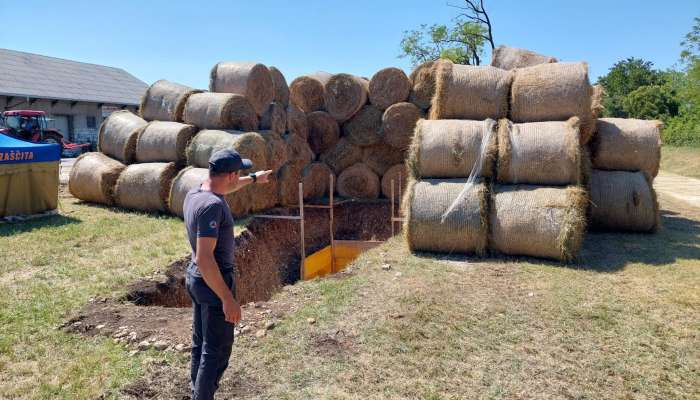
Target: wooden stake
[392,208]
[330,195]
[303,247]
[398,212]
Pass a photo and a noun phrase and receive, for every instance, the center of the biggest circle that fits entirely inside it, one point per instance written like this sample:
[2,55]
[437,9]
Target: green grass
[622,322]
[681,160]
[50,268]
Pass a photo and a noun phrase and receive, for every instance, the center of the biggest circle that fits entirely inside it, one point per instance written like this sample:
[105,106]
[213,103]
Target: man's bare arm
[262,177]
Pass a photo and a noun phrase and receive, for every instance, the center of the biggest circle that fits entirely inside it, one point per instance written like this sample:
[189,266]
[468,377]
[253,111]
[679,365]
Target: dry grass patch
[50,268]
[620,323]
[681,160]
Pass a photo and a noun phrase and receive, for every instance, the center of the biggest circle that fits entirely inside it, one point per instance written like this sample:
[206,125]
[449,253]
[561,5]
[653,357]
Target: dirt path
[66,166]
[679,187]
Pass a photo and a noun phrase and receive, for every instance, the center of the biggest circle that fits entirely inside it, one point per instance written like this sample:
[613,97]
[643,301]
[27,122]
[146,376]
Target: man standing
[210,276]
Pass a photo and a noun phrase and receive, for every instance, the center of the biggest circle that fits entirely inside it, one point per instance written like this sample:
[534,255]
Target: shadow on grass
[13,228]
[677,239]
[119,210]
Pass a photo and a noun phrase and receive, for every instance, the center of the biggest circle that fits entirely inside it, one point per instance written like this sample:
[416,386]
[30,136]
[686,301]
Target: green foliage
[650,102]
[691,44]
[462,43]
[634,89]
[683,130]
[625,77]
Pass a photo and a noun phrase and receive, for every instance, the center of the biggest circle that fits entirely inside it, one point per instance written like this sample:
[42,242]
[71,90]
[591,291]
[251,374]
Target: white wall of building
[63,111]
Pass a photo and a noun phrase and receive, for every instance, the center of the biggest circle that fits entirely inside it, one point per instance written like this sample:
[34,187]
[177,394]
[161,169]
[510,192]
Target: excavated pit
[268,254]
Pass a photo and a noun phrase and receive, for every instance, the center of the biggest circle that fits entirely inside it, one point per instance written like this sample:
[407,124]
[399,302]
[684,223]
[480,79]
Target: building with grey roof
[76,96]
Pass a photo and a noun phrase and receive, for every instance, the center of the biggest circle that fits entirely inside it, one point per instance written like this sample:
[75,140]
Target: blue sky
[181,40]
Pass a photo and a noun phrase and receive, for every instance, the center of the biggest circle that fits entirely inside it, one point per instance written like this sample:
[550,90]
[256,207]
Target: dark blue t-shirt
[207,215]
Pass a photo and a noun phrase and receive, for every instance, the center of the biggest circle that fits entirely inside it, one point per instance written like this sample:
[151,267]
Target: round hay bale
[316,178]
[188,179]
[538,221]
[288,179]
[296,122]
[540,153]
[323,131]
[264,195]
[465,228]
[249,79]
[344,96]
[118,133]
[508,58]
[307,92]
[220,111]
[597,107]
[277,154]
[469,92]
[380,157]
[423,84]
[145,187]
[281,89]
[388,86]
[623,201]
[342,155]
[399,123]
[628,145]
[365,127]
[93,177]
[553,92]
[298,150]
[240,202]
[165,101]
[164,141]
[274,119]
[250,145]
[451,148]
[358,181]
[396,173]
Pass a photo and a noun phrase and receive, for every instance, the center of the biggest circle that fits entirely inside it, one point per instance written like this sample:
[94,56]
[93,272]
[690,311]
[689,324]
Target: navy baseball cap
[228,160]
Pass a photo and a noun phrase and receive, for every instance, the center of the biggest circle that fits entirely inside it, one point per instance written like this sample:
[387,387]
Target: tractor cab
[32,126]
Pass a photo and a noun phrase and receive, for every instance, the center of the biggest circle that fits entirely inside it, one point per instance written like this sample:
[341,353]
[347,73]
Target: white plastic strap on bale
[475,173]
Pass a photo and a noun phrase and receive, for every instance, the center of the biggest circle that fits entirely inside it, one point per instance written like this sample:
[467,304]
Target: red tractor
[31,126]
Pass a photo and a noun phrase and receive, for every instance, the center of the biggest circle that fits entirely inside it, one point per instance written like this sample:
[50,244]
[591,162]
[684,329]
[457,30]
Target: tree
[625,77]
[691,44]
[462,43]
[684,129]
[689,88]
[651,102]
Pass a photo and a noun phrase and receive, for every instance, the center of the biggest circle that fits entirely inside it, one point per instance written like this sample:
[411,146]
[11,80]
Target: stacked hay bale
[509,58]
[360,128]
[512,186]
[524,186]
[93,178]
[247,108]
[442,157]
[152,151]
[137,159]
[506,149]
[625,157]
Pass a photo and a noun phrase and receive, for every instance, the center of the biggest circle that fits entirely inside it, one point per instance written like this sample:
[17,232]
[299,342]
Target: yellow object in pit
[346,251]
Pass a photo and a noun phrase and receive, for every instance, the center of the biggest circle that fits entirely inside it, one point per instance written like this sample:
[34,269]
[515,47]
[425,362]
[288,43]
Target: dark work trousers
[212,336]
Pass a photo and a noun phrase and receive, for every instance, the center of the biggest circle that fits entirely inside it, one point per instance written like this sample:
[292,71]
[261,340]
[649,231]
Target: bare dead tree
[474,11]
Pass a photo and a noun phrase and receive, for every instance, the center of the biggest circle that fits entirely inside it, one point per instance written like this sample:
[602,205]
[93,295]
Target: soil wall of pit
[268,253]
